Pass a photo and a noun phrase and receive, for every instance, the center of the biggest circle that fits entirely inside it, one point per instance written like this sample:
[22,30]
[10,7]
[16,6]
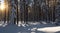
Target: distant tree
[58,13]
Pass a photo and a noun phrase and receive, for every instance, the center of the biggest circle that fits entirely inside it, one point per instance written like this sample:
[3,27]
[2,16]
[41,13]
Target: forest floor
[29,28]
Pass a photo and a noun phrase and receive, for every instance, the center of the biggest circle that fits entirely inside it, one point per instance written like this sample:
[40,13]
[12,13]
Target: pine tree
[13,12]
[58,13]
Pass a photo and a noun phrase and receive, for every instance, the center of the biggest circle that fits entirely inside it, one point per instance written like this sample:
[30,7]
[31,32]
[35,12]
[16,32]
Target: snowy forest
[28,13]
[31,10]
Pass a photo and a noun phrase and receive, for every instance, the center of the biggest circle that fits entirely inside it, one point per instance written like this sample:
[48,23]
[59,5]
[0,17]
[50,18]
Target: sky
[2,1]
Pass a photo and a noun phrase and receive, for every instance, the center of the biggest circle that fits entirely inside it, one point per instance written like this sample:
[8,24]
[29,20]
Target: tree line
[35,10]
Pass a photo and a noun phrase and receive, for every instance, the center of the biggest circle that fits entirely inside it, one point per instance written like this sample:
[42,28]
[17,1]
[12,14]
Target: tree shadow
[57,32]
[12,28]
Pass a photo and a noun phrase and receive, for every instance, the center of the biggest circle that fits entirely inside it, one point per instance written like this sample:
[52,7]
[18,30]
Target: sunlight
[49,29]
[2,6]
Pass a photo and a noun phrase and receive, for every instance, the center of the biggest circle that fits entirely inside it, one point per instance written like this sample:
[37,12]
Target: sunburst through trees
[30,10]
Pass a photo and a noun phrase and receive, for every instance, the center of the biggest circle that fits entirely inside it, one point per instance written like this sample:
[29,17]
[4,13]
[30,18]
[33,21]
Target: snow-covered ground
[50,29]
[29,28]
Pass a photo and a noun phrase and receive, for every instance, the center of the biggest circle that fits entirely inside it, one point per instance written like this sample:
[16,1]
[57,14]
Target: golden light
[2,7]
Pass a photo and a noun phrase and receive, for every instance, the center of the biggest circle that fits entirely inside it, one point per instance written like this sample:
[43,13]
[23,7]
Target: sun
[2,6]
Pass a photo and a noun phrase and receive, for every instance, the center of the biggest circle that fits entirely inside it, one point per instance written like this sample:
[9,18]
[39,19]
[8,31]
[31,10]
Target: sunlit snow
[30,27]
[50,29]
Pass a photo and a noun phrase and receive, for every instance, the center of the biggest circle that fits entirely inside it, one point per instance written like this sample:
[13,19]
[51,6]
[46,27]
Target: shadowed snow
[28,28]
